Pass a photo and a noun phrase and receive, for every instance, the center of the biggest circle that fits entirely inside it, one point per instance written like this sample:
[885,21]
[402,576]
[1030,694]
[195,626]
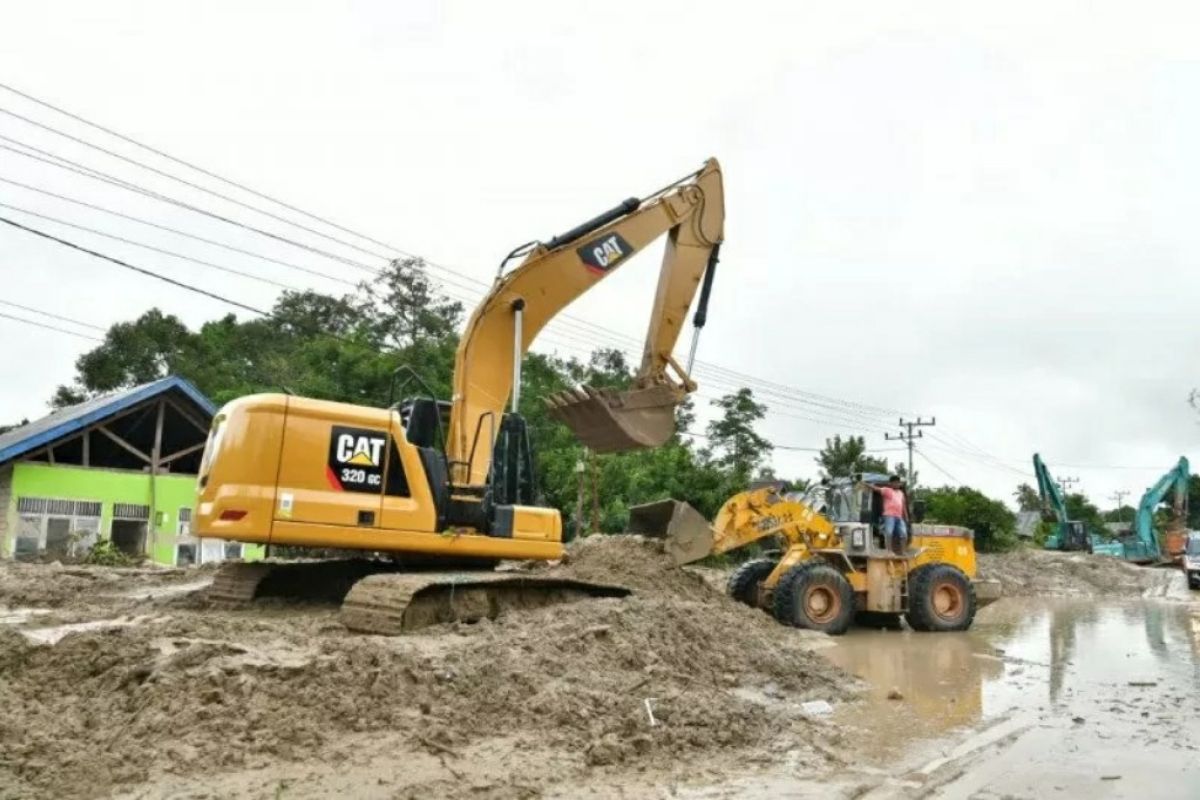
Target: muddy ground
[674,685]
[675,691]
[1039,573]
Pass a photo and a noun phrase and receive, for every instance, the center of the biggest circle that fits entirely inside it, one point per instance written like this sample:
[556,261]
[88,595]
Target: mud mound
[56,586]
[1032,572]
[634,561]
[676,673]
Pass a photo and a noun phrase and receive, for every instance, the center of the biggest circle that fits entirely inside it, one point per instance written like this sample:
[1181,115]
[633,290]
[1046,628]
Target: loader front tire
[940,599]
[744,582]
[817,597]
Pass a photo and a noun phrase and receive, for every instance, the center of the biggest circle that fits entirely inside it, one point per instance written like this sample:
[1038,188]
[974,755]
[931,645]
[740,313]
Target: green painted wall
[172,492]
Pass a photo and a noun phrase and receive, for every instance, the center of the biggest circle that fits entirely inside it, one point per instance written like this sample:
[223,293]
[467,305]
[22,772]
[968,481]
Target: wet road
[1039,699]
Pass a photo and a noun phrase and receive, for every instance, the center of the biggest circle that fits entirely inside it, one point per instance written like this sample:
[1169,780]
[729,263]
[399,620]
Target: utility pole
[1066,483]
[909,435]
[1119,497]
[580,471]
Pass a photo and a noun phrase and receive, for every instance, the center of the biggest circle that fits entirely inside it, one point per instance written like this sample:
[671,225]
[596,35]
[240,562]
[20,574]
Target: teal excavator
[1068,534]
[1142,545]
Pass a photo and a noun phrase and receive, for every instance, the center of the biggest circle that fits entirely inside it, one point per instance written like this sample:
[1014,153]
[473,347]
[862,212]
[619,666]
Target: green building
[120,467]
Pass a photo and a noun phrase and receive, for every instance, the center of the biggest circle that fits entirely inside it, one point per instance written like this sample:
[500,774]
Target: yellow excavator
[450,484]
[834,567]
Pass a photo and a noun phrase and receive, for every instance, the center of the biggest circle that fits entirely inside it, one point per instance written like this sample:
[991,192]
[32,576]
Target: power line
[197,168]
[850,406]
[169,229]
[183,181]
[152,248]
[50,327]
[51,316]
[937,466]
[99,175]
[126,265]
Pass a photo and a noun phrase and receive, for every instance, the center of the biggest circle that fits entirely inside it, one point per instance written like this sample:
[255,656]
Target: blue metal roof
[70,420]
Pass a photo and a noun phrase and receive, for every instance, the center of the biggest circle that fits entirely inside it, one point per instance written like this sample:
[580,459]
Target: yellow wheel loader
[450,484]
[835,567]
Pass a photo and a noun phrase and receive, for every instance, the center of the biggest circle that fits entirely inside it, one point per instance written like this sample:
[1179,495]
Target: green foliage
[732,441]
[994,525]
[106,554]
[347,348]
[1027,498]
[841,458]
[1125,513]
[1080,509]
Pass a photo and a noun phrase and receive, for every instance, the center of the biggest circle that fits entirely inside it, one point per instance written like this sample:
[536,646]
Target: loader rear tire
[745,581]
[817,597]
[940,599]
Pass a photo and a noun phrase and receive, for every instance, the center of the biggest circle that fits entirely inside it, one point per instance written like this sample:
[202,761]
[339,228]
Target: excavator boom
[691,212]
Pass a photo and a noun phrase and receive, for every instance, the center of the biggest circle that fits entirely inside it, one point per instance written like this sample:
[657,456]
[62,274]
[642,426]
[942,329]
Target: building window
[131,511]
[55,527]
[185,554]
[184,526]
[233,550]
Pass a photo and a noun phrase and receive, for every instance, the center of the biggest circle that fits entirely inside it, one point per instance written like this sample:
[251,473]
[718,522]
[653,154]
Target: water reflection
[1021,656]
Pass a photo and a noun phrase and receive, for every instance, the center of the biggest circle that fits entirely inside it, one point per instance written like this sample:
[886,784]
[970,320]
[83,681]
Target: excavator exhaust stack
[686,534]
[609,421]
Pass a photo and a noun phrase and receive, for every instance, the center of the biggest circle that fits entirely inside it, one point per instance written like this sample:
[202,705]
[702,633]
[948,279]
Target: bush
[106,554]
[994,525]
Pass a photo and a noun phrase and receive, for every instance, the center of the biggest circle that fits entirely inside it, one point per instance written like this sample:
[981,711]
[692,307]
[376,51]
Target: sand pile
[1032,572]
[193,691]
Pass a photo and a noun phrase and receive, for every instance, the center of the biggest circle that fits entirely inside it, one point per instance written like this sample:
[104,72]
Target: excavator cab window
[424,420]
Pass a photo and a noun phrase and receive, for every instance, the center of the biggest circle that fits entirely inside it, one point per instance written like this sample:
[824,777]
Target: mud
[1041,573]
[1046,697]
[675,685]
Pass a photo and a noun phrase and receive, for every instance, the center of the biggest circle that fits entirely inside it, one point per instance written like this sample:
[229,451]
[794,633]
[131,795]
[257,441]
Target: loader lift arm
[555,273]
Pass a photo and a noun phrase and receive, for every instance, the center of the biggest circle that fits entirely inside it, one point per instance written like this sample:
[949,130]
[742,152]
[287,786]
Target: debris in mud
[1037,573]
[280,684]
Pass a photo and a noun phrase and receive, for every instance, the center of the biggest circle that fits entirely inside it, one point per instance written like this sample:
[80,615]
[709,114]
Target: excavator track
[381,597]
[398,603]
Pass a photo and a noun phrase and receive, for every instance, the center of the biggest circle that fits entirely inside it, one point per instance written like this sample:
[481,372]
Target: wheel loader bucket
[686,534]
[609,421]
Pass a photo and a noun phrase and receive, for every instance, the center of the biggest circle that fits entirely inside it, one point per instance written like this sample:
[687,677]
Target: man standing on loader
[895,514]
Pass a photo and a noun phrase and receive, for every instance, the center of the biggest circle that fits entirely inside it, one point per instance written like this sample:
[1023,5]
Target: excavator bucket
[609,421]
[686,534]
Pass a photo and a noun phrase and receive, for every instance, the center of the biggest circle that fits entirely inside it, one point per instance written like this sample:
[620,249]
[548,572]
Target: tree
[994,525]
[1125,513]
[1080,509]
[842,458]
[6,428]
[1027,498]
[737,447]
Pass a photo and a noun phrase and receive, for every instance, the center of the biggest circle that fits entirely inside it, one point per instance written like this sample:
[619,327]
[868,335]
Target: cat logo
[355,459]
[603,254]
[362,451]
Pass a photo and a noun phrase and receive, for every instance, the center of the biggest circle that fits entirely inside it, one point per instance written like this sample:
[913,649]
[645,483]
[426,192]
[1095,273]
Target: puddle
[1041,697]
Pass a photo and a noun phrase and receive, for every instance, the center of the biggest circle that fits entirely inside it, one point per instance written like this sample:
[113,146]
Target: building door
[129,536]
[58,537]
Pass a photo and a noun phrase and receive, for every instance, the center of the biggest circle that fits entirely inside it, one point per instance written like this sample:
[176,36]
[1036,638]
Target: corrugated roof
[67,421]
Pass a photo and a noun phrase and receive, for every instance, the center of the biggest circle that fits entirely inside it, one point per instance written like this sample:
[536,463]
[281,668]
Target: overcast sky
[983,214]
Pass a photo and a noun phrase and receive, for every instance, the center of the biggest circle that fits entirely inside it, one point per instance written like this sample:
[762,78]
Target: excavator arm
[1174,538]
[554,274]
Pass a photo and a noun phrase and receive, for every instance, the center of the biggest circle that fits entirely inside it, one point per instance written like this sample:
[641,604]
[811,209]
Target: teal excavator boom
[1068,534]
[1143,545]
